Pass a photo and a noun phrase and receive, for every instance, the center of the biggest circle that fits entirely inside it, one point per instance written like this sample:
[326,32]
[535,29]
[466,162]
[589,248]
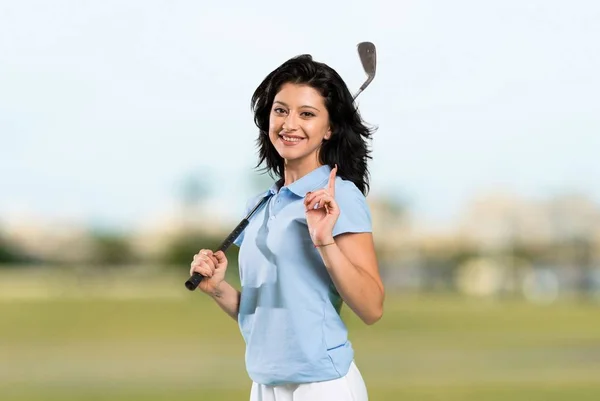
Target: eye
[307,114]
[279,110]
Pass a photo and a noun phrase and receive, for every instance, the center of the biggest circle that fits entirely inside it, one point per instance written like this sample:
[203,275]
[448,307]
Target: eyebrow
[284,104]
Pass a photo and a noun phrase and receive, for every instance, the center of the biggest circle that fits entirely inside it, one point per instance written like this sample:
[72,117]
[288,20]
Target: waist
[272,369]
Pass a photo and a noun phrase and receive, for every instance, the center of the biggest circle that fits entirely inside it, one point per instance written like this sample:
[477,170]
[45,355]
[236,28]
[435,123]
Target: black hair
[347,146]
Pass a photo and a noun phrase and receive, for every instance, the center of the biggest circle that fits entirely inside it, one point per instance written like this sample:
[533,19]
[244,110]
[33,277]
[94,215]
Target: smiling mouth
[290,139]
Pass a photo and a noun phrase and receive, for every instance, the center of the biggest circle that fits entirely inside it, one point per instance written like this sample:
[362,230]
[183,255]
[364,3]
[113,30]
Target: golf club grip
[193,282]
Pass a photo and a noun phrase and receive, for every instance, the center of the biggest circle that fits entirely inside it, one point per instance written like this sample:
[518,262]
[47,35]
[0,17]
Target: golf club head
[368,59]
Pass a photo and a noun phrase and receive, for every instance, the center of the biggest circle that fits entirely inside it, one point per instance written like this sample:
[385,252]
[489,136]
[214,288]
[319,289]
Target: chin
[287,153]
[290,156]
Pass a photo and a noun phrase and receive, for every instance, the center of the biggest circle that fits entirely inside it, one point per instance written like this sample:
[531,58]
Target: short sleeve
[355,215]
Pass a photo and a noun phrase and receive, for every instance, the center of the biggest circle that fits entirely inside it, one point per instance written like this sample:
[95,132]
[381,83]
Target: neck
[293,170]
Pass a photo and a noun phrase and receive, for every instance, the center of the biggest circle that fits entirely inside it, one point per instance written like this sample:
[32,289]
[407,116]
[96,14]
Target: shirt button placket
[274,207]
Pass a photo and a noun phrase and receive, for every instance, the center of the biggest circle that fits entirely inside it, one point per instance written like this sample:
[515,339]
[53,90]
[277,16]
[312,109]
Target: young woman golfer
[310,248]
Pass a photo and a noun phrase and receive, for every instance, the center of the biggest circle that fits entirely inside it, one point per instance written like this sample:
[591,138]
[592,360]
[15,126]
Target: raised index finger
[331,184]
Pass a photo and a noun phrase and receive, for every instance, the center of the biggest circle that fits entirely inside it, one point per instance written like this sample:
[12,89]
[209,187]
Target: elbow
[374,316]
[376,311]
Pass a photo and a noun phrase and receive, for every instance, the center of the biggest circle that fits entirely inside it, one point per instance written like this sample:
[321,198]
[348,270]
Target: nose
[290,123]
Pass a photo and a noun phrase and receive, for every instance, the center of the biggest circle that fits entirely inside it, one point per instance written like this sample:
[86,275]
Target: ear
[328,134]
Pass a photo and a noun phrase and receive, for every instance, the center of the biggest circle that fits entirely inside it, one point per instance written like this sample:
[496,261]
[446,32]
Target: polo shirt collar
[311,181]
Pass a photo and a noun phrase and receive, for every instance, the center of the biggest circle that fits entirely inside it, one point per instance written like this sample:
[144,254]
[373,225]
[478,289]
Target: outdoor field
[427,347]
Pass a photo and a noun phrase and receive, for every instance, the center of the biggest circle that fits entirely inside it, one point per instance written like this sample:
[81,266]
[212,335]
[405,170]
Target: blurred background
[127,144]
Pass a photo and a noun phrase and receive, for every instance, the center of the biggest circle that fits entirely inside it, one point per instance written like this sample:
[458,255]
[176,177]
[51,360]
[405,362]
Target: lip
[291,136]
[290,143]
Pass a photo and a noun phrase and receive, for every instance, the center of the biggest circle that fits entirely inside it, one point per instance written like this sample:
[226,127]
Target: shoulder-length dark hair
[347,146]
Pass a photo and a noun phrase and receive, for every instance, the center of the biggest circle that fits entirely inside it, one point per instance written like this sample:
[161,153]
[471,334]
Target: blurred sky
[106,106]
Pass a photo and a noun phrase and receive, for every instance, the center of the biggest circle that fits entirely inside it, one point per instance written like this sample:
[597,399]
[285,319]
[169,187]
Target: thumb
[220,257]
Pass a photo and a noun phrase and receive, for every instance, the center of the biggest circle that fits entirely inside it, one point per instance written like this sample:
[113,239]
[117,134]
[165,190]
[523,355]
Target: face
[298,123]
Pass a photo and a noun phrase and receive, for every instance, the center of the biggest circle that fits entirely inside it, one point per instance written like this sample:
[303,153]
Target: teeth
[290,139]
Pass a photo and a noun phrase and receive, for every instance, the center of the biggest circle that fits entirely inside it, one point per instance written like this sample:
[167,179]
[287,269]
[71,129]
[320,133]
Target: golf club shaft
[357,93]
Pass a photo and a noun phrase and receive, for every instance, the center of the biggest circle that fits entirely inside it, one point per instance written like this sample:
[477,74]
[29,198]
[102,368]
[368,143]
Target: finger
[317,201]
[210,260]
[332,175]
[203,268]
[320,201]
[332,207]
[203,271]
[196,264]
[202,253]
[310,197]
[328,203]
[203,257]
[220,257]
[210,264]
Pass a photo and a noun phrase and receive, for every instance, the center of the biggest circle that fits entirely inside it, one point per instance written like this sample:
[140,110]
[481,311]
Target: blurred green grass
[427,347]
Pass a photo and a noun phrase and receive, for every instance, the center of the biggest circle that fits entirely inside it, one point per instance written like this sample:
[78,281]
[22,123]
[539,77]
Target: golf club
[368,59]
[196,278]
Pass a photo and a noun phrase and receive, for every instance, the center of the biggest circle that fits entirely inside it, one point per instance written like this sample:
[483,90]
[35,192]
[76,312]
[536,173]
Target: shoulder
[355,215]
[346,188]
[254,199]
[348,195]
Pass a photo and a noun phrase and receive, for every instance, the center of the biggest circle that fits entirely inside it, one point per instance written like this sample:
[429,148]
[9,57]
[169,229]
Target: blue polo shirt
[289,313]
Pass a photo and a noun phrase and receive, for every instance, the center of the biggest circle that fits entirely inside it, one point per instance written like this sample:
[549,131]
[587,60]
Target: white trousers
[348,388]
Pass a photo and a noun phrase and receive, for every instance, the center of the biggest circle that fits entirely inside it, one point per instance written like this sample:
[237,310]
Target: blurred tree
[9,255]
[110,249]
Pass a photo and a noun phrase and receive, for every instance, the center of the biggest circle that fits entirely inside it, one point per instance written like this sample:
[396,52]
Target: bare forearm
[228,298]
[359,290]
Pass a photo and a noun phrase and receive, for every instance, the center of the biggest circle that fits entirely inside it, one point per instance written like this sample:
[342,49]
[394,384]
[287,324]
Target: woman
[310,248]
